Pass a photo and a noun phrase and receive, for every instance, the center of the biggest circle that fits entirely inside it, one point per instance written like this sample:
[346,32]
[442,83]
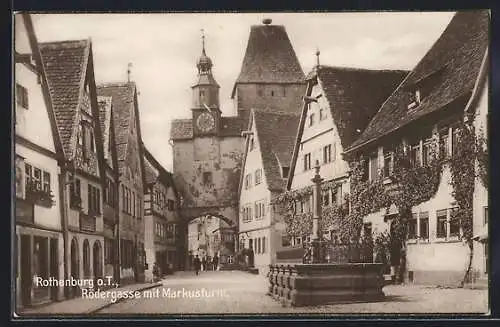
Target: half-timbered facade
[110,193]
[163,240]
[70,74]
[129,150]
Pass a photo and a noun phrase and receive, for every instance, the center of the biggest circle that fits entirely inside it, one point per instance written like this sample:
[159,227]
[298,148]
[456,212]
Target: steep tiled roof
[151,174]
[104,104]
[269,57]
[182,129]
[161,173]
[65,66]
[233,126]
[354,96]
[276,133]
[454,59]
[122,95]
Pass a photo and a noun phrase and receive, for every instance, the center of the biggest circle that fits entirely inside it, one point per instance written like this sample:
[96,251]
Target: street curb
[95,310]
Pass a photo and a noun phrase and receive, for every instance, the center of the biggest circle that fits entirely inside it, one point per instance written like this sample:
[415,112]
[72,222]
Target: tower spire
[129,71]
[203,41]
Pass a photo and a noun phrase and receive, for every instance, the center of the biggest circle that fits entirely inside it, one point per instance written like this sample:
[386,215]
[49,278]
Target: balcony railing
[87,222]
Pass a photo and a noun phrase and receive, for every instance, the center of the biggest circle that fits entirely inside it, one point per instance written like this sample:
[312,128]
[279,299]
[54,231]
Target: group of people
[205,264]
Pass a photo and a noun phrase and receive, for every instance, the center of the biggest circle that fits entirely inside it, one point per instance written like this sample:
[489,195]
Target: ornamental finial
[203,40]
[317,56]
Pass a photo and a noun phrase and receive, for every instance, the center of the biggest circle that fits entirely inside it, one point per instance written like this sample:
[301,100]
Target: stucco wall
[480,191]
[45,217]
[437,260]
[221,157]
[276,97]
[33,123]
[314,138]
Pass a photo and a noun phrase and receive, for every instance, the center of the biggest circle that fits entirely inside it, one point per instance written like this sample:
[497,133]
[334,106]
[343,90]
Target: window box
[39,196]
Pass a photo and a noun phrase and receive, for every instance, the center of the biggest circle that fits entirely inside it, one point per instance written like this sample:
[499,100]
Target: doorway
[75,272]
[26,280]
[96,251]
[54,265]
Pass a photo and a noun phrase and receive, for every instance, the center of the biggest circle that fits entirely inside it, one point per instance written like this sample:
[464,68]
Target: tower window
[202,93]
[272,93]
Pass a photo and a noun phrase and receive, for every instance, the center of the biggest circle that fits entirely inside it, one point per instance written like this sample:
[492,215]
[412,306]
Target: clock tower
[206,109]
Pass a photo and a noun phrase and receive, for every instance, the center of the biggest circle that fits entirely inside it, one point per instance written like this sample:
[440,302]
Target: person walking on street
[203,264]
[215,262]
[197,264]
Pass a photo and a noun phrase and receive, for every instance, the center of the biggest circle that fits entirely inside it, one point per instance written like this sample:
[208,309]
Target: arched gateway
[209,234]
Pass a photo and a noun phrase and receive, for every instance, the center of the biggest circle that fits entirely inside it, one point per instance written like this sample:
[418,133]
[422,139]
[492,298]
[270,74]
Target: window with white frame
[441,223]
[248,181]
[322,114]
[413,227]
[22,96]
[258,176]
[388,163]
[486,216]
[373,167]
[311,119]
[37,179]
[307,161]
[259,210]
[327,154]
[427,151]
[423,226]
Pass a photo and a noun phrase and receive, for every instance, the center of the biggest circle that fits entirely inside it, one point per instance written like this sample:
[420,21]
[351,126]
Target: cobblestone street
[236,292]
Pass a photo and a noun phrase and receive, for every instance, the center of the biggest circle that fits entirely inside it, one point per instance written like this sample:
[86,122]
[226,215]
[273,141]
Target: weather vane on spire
[129,71]
[203,40]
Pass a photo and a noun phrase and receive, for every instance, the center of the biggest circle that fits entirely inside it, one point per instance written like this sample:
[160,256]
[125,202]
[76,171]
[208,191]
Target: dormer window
[415,99]
[285,171]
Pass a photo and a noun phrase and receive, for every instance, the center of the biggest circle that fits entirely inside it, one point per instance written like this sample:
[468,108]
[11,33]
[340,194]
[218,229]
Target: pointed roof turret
[269,57]
[204,66]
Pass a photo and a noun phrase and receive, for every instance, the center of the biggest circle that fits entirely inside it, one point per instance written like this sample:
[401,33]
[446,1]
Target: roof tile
[354,96]
[276,133]
[64,63]
[456,55]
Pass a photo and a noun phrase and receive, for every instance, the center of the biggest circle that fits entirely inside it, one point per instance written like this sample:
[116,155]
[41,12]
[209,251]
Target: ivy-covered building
[338,105]
[266,163]
[413,153]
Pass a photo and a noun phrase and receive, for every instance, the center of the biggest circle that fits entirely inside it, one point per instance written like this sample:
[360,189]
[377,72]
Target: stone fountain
[311,278]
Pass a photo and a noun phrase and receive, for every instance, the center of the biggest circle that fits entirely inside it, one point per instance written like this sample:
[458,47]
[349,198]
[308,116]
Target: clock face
[205,122]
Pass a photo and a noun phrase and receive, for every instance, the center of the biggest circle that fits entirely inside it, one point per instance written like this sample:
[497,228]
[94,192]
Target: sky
[164,47]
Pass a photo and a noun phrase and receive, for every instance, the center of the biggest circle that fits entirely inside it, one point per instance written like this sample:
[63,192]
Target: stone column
[316,242]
